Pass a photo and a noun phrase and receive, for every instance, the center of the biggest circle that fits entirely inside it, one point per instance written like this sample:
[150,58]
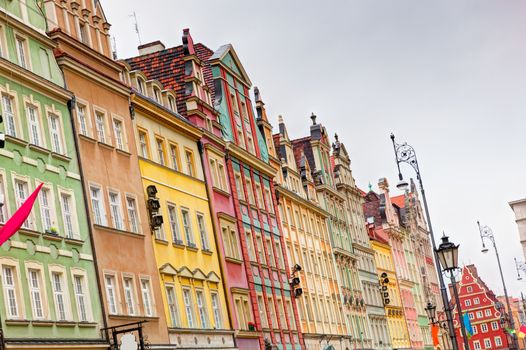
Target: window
[172,305]
[97,206]
[3,43]
[487,343]
[471,316]
[216,309]
[260,249]
[475,329]
[476,301]
[171,103]
[143,144]
[230,240]
[58,293]
[56,133]
[189,157]
[188,305]
[172,217]
[21,193]
[81,117]
[467,302]
[45,208]
[494,325]
[250,190]
[487,312]
[83,33]
[111,294]
[101,127]
[44,63]
[140,85]
[118,133]
[34,125]
[484,327]
[479,314]
[80,297]
[146,297]
[67,214]
[9,116]
[187,227]
[202,232]
[129,295]
[174,157]
[291,314]
[156,95]
[498,341]
[201,308]
[21,51]
[115,210]
[160,151]
[272,312]
[470,289]
[250,246]
[476,344]
[3,208]
[242,310]
[9,279]
[35,293]
[239,186]
[133,217]
[218,174]
[262,312]
[270,253]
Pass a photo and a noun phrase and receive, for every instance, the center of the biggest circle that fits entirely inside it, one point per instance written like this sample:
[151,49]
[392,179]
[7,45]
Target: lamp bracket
[406,154]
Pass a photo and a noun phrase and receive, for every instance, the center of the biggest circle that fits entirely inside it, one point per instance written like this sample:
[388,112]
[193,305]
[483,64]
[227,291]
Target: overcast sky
[449,77]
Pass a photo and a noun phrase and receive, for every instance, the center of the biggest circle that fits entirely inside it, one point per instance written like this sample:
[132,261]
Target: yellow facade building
[185,248]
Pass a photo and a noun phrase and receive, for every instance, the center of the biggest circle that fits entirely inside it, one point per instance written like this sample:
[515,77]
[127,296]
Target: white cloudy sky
[447,76]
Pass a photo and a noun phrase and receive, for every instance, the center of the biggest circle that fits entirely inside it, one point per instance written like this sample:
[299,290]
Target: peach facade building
[128,277]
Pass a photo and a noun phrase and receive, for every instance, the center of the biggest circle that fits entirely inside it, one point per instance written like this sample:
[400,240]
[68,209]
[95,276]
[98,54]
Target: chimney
[152,47]
[188,42]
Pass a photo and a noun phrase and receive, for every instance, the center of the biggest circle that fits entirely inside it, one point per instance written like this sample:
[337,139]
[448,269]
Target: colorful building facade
[104,134]
[185,248]
[484,312]
[381,234]
[308,244]
[245,209]
[317,149]
[50,296]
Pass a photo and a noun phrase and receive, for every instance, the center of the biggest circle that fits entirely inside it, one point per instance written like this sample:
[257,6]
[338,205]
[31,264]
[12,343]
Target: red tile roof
[167,66]
[303,144]
[399,201]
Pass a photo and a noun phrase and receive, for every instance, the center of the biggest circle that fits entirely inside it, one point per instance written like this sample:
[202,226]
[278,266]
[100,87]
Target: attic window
[171,103]
[157,95]
[140,85]
[188,68]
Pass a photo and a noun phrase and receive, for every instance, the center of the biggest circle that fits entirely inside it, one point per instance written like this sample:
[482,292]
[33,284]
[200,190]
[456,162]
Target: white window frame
[147,296]
[4,51]
[487,343]
[484,328]
[203,233]
[494,325]
[202,308]
[56,136]
[77,272]
[173,220]
[83,119]
[101,129]
[37,293]
[112,293]
[14,267]
[64,293]
[75,232]
[216,309]
[143,147]
[120,140]
[11,119]
[4,209]
[47,209]
[130,294]
[189,307]
[102,221]
[134,223]
[174,155]
[160,149]
[29,223]
[34,128]
[187,227]
[117,218]
[22,52]
[173,308]
[498,341]
[487,312]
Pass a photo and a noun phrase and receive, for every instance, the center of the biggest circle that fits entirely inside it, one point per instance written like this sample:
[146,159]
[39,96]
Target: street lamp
[404,153]
[487,232]
[431,311]
[520,266]
[448,254]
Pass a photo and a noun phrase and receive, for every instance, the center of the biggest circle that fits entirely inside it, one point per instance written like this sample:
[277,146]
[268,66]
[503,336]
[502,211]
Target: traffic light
[154,206]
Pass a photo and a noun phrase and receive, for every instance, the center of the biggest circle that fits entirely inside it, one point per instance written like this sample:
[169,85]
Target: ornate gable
[227,56]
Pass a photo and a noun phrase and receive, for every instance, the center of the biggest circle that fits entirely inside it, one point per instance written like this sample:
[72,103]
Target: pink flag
[17,220]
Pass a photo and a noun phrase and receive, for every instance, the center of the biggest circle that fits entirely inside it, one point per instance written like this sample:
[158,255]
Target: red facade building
[484,311]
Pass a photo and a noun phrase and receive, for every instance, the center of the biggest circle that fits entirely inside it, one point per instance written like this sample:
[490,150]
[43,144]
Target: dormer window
[171,103]
[157,95]
[140,85]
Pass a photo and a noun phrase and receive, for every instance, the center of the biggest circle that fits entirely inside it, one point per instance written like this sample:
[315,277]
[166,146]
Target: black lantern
[448,254]
[431,310]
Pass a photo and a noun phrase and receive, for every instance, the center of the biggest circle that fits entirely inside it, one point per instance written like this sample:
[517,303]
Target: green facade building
[50,297]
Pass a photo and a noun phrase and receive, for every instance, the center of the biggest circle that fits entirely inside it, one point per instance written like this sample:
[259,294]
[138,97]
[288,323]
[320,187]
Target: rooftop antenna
[136,26]
[114,47]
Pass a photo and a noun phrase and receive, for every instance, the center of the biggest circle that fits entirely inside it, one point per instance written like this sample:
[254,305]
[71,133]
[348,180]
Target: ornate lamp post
[448,254]
[404,153]
[431,314]
[487,232]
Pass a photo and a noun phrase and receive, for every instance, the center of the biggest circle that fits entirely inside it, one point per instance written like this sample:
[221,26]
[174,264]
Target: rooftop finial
[280,119]
[256,94]
[336,136]
[370,186]
[313,117]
